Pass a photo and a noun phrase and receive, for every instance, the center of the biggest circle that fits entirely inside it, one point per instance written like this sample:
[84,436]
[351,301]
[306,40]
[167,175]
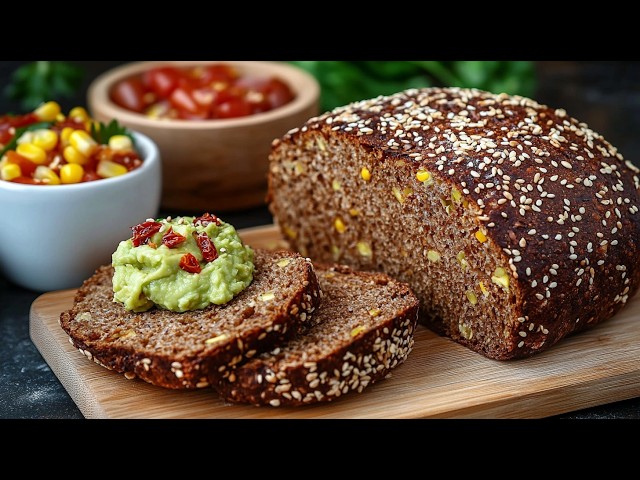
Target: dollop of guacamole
[152,273]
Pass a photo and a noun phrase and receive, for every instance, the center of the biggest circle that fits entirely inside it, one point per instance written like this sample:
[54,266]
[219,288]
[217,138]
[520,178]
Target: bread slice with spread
[192,349]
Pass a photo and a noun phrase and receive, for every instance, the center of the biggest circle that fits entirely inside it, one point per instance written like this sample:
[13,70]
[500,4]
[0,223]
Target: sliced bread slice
[362,329]
[191,349]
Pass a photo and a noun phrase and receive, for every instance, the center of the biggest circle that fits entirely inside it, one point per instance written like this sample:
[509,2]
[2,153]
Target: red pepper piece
[190,264]
[206,219]
[208,249]
[172,239]
[144,231]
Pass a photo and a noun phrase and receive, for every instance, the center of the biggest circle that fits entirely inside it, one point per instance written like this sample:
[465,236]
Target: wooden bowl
[212,165]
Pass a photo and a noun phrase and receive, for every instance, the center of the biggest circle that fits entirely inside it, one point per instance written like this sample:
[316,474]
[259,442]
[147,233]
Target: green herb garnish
[38,82]
[102,133]
[345,82]
[13,143]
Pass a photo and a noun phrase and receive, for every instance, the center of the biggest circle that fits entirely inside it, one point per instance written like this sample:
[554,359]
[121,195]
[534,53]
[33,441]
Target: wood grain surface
[440,379]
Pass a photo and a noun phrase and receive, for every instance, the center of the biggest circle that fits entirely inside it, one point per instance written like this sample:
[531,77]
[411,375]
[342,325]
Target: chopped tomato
[201,92]
[189,263]
[27,167]
[130,94]
[206,246]
[182,100]
[278,93]
[172,239]
[206,219]
[162,81]
[235,107]
[144,231]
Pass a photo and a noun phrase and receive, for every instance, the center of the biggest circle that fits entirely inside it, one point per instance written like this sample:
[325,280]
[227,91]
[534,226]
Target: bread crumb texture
[362,330]
[514,223]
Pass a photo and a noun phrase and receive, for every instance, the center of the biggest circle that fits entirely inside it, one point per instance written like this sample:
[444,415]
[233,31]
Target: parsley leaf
[102,133]
[38,82]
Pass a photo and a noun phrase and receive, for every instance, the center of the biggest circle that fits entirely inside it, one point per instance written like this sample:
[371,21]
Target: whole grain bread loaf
[194,348]
[514,223]
[363,328]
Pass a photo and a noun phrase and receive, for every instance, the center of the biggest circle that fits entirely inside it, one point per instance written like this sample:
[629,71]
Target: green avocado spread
[180,264]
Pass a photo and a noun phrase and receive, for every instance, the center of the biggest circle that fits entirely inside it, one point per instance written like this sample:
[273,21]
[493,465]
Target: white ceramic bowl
[212,165]
[54,237]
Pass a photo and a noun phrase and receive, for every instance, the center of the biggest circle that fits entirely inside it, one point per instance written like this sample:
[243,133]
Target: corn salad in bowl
[70,190]
[46,147]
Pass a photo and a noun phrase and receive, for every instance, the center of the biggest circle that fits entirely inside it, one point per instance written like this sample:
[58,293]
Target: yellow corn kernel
[83,142]
[456,195]
[462,260]
[465,330]
[290,232]
[71,173]
[364,249]
[335,252]
[157,110]
[46,175]
[47,112]
[339,225]
[107,169]
[365,174]
[354,212]
[398,194]
[401,196]
[283,263]
[424,176]
[265,297]
[481,236]
[336,185]
[483,289]
[374,312]
[212,340]
[45,139]
[72,155]
[79,114]
[120,143]
[32,152]
[321,145]
[433,256]
[26,137]
[501,277]
[357,331]
[9,171]
[65,134]
[298,168]
[471,296]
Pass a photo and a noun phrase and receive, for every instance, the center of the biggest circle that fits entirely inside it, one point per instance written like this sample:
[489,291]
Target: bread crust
[194,348]
[557,203]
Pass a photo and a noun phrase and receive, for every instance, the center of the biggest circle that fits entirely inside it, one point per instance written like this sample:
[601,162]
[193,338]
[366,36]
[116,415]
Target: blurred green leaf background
[37,82]
[343,82]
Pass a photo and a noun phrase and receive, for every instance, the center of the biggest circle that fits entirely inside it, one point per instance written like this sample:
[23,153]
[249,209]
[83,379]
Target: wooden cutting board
[439,379]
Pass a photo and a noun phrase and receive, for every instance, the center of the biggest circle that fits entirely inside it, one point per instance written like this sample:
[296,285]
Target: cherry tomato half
[162,80]
[129,94]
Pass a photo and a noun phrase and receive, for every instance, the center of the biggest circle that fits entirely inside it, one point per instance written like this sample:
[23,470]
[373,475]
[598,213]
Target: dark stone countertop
[606,95]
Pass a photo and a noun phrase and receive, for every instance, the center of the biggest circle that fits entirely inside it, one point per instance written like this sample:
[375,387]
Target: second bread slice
[362,329]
